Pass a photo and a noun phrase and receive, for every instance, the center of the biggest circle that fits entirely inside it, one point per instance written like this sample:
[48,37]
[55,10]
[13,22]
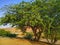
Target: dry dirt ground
[14,41]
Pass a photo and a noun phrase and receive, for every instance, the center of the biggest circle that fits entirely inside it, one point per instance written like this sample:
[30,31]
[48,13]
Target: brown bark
[37,33]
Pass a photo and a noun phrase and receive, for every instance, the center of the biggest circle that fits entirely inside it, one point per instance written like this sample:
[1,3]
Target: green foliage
[39,13]
[11,35]
[58,34]
[6,33]
[28,35]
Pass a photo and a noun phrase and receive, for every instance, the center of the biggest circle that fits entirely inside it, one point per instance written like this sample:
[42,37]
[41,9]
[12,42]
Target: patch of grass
[4,33]
[28,35]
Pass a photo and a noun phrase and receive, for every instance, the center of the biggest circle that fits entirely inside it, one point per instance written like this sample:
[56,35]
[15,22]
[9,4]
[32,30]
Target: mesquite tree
[40,15]
[23,15]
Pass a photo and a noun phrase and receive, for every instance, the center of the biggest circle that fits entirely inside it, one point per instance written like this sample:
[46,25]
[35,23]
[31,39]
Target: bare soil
[14,41]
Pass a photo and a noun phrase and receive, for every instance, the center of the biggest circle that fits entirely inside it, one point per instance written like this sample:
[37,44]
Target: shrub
[11,35]
[28,35]
[6,33]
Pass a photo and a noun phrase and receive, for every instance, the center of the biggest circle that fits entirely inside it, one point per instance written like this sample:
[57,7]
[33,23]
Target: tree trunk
[37,33]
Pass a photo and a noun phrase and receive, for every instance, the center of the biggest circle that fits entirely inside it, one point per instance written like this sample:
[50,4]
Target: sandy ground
[44,40]
[14,41]
[9,41]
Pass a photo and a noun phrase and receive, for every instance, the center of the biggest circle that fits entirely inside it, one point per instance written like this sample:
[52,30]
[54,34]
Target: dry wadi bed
[14,41]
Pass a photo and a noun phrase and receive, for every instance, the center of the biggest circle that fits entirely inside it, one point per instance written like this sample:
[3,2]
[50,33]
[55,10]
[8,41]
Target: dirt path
[44,40]
[14,41]
[9,41]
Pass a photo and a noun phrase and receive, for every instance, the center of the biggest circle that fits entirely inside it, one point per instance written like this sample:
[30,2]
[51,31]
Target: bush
[6,33]
[28,35]
[11,35]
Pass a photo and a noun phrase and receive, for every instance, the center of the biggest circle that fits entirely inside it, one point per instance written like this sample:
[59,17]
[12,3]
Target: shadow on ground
[19,41]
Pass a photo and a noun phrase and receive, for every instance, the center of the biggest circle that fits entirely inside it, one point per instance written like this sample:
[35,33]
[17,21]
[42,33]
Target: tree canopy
[43,14]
